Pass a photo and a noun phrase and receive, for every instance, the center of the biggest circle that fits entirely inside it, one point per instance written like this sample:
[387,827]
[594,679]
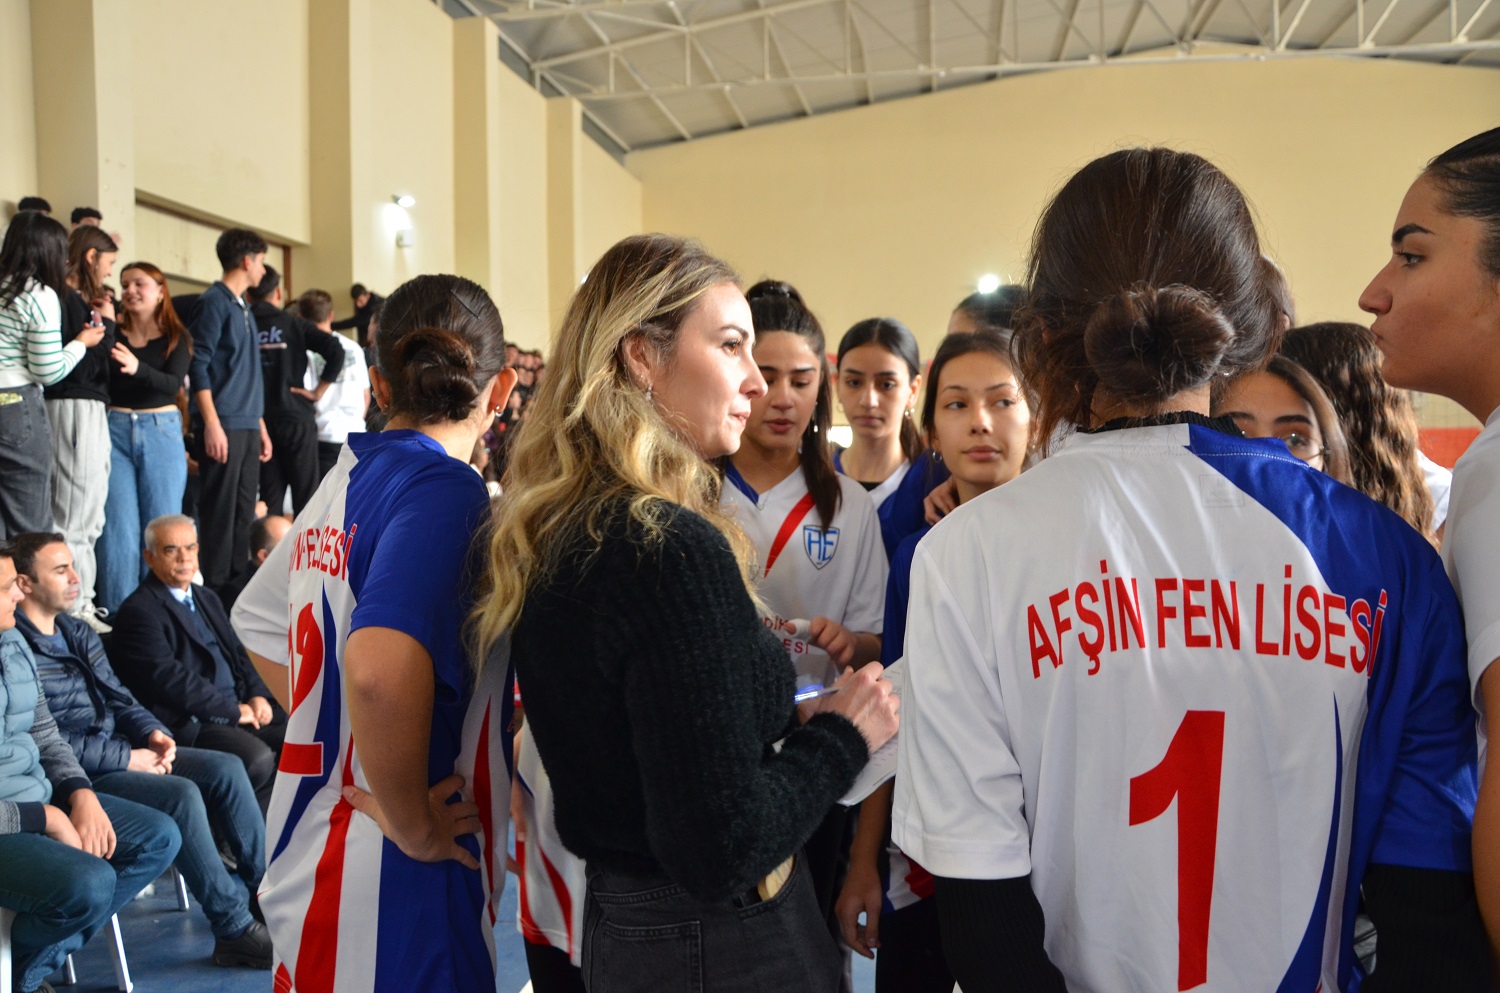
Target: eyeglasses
[1303,446]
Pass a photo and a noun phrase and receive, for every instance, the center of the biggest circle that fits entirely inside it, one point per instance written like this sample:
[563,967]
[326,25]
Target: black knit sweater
[654,693]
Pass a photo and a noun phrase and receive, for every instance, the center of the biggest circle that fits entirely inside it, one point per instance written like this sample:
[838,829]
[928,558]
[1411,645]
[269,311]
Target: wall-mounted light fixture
[406,238]
[404,200]
[988,283]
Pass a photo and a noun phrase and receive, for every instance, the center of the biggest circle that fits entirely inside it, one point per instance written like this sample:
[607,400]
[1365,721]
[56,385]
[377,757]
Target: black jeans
[226,504]
[293,465]
[910,959]
[25,462]
[552,971]
[647,935]
[328,457]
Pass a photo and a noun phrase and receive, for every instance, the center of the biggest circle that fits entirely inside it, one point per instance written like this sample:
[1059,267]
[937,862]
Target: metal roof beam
[670,32]
[540,73]
[1064,28]
[1256,54]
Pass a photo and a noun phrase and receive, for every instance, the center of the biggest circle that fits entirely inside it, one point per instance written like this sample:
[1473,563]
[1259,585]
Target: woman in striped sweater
[33,280]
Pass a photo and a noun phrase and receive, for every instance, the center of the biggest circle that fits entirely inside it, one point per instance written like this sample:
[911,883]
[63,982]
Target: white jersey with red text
[553,882]
[383,543]
[807,570]
[1193,688]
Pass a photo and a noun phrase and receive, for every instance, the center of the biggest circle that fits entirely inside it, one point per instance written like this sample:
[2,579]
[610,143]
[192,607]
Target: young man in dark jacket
[228,401]
[173,647]
[70,857]
[291,417]
[128,753]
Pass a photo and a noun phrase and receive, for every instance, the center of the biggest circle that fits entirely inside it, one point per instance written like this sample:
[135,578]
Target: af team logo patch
[819,544]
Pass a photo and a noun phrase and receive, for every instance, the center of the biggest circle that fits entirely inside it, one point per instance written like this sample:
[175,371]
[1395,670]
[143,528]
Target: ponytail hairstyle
[1468,176]
[594,438]
[171,325]
[1145,281]
[896,338]
[1378,420]
[441,342]
[84,239]
[777,306]
[35,247]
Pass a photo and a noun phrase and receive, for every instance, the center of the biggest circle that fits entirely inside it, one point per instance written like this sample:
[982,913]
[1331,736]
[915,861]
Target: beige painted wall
[403,143]
[521,238]
[17,106]
[898,208]
[221,110]
[611,203]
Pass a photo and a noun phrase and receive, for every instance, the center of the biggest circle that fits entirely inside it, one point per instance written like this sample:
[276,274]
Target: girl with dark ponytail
[1133,671]
[815,532]
[1437,322]
[401,784]
[880,376]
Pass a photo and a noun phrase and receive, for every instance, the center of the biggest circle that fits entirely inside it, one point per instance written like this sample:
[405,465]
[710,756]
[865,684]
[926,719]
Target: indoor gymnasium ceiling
[654,71]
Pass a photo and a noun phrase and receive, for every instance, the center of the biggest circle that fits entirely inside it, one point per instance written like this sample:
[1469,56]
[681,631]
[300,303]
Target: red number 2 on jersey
[1190,771]
[298,758]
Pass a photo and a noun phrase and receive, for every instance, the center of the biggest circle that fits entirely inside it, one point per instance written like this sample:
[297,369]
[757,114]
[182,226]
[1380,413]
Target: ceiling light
[404,200]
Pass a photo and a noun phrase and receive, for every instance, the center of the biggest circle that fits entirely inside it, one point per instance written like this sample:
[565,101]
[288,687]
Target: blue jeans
[62,895]
[148,471]
[206,788]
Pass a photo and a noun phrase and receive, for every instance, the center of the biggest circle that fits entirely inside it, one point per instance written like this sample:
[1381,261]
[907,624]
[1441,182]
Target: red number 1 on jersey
[1190,771]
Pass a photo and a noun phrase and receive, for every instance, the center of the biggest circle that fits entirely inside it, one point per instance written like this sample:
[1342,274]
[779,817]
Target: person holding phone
[33,284]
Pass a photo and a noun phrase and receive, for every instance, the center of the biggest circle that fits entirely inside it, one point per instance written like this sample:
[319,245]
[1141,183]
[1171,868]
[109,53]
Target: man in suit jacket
[174,648]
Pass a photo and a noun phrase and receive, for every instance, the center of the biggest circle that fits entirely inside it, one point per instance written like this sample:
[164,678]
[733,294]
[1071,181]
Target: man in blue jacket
[228,403]
[69,858]
[128,753]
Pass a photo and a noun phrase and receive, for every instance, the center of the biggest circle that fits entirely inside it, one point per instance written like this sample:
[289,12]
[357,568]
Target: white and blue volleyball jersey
[1193,688]
[385,543]
[898,499]
[807,569]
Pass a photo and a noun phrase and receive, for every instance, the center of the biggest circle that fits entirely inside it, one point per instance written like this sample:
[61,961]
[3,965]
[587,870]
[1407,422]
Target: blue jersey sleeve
[417,580]
[897,595]
[1418,767]
[902,514]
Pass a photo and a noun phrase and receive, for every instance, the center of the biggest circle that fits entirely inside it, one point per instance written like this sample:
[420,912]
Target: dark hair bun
[1150,343]
[438,366]
[768,288]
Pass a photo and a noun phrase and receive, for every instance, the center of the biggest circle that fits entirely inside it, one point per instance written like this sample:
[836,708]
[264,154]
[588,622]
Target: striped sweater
[31,348]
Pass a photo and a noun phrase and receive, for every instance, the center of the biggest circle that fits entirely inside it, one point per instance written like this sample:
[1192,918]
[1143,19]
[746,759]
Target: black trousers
[910,959]
[328,456]
[258,748]
[552,971]
[293,465]
[226,505]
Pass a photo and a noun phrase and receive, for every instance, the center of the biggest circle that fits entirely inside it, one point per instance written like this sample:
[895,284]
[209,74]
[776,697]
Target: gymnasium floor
[168,952]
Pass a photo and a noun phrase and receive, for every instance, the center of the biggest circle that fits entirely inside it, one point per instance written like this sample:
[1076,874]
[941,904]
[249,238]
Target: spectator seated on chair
[69,858]
[173,647]
[128,753]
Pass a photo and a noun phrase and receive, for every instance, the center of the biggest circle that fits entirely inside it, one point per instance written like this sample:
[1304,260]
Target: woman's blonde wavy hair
[593,436]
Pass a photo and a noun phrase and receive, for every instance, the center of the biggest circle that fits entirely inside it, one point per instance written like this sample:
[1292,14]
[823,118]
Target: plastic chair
[116,958]
[6,916]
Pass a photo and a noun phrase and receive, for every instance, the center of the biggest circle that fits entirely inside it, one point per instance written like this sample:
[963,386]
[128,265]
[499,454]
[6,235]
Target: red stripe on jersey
[282,981]
[529,930]
[301,758]
[787,527]
[919,880]
[483,801]
[317,955]
[564,898]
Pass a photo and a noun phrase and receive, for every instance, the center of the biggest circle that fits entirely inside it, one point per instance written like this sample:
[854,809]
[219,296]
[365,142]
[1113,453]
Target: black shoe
[255,910]
[252,949]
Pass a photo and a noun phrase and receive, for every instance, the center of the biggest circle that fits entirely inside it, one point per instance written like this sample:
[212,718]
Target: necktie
[188,602]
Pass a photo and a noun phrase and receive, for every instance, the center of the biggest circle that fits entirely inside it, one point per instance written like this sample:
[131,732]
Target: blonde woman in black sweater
[652,689]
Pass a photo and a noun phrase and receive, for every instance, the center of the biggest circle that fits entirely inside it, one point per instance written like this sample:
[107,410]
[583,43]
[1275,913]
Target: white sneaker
[94,618]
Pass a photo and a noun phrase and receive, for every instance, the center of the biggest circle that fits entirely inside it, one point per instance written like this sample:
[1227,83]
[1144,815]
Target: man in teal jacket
[69,858]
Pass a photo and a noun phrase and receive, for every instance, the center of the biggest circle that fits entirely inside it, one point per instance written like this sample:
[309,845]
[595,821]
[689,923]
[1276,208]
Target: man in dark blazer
[174,648]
